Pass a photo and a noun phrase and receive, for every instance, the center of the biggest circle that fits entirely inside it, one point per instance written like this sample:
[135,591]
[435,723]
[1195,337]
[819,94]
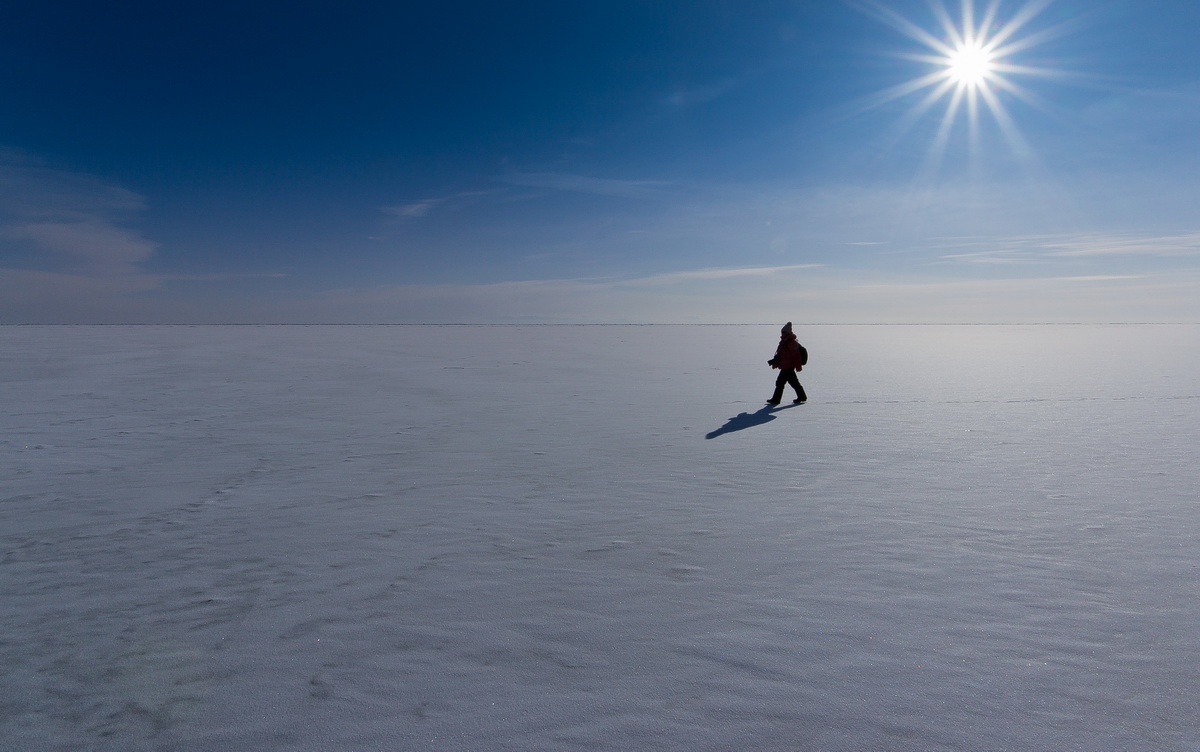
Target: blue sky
[626,161]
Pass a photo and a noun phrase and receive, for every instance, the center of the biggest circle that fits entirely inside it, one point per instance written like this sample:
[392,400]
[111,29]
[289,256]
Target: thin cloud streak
[1128,245]
[633,189]
[106,248]
[1039,249]
[415,209]
[71,223]
[1103,278]
[690,96]
[718,274]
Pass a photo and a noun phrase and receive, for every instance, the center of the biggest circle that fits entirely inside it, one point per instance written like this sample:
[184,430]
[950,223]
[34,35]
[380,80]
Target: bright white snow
[520,538]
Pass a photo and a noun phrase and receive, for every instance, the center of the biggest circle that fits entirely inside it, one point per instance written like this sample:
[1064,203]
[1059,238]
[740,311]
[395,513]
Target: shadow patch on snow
[742,421]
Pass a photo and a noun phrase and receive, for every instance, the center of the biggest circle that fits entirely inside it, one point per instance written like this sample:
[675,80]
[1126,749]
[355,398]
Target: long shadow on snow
[742,421]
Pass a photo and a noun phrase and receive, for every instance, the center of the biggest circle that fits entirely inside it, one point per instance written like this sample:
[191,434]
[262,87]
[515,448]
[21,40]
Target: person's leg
[795,382]
[780,380]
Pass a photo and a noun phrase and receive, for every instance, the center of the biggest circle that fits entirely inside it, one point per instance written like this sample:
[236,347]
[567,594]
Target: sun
[970,65]
[971,62]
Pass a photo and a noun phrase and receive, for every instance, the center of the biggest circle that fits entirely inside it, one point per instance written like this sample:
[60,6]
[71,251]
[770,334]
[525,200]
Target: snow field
[520,538]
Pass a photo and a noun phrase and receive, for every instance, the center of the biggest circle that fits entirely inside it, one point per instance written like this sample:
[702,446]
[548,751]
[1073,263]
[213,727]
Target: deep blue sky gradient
[618,161]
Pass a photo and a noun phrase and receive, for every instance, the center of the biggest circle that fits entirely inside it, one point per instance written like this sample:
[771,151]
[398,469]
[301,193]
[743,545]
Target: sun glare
[971,61]
[969,64]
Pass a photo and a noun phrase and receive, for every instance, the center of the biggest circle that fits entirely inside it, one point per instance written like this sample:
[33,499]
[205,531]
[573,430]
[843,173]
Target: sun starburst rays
[968,56]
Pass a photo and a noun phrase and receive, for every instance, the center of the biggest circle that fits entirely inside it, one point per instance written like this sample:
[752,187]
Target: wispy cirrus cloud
[103,246]
[1043,248]
[424,207]
[561,181]
[718,274]
[413,209]
[998,256]
[1126,245]
[70,222]
[1103,278]
[698,94]
[71,247]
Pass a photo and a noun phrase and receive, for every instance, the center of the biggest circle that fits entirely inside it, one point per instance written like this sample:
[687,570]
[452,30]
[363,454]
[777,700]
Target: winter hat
[787,328]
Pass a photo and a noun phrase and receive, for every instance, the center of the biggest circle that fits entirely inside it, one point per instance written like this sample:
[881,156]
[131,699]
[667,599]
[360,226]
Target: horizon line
[652,323]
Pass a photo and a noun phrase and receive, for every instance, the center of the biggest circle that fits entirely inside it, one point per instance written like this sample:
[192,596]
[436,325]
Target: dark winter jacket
[787,355]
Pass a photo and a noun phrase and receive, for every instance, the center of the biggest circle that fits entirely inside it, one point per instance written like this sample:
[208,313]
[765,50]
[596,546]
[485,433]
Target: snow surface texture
[521,538]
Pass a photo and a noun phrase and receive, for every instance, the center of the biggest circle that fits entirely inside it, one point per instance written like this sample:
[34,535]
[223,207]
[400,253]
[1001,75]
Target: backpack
[802,354]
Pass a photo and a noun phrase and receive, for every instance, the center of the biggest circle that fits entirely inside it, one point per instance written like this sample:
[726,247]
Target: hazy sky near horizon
[625,161]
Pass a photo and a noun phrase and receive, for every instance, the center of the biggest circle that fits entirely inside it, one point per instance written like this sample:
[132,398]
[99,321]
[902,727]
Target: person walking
[790,357]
